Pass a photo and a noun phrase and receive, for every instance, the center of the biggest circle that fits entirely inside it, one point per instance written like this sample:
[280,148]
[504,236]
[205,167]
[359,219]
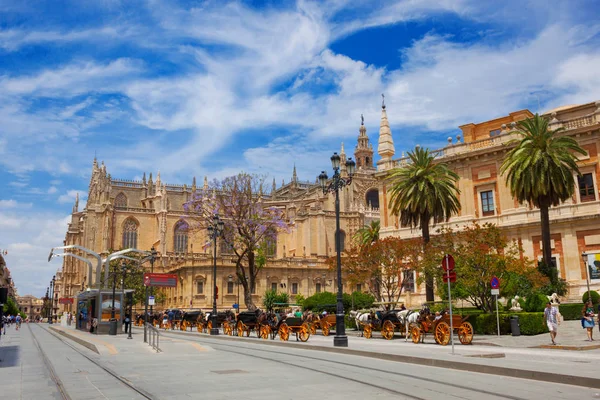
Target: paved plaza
[193,365]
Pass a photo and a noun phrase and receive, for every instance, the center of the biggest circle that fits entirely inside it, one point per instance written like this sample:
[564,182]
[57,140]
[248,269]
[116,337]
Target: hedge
[530,323]
[570,312]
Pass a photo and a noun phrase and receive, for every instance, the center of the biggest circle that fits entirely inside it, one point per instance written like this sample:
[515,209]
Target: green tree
[273,299]
[421,191]
[11,307]
[539,170]
[368,234]
[480,253]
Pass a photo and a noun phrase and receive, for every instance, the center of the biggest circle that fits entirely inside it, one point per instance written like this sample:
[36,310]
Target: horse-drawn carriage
[246,322]
[427,323]
[324,322]
[191,319]
[223,319]
[387,321]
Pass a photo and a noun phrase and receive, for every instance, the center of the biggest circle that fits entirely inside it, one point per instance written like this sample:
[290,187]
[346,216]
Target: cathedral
[122,213]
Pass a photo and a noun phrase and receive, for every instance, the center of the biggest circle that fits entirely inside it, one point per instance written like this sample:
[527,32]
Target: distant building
[6,279]
[31,306]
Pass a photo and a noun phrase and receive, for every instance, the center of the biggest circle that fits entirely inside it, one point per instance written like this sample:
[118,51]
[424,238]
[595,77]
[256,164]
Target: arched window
[271,246]
[342,241]
[130,228]
[121,201]
[180,242]
[373,198]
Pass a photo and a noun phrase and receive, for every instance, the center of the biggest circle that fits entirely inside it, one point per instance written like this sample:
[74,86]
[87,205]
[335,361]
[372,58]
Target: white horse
[360,318]
[407,317]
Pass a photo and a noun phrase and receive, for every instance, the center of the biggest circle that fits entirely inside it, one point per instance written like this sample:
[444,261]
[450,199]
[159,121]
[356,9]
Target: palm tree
[540,170]
[368,233]
[421,191]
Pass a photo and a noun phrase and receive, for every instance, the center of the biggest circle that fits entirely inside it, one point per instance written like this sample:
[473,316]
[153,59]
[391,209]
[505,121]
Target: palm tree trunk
[546,240]
[428,277]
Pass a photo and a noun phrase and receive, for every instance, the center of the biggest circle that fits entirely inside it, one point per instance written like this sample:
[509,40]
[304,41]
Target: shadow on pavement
[9,356]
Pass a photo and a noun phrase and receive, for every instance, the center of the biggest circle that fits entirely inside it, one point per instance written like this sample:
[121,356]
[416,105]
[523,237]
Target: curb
[77,340]
[432,362]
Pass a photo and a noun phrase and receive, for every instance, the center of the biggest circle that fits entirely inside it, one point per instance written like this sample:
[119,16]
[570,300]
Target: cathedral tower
[363,153]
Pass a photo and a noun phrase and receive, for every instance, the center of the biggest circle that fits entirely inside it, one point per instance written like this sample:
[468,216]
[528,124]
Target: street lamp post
[113,321]
[587,273]
[48,303]
[338,182]
[215,229]
[52,298]
[153,254]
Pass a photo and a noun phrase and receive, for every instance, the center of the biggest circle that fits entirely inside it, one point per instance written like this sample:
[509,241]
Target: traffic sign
[150,300]
[449,276]
[162,280]
[495,283]
[495,292]
[448,262]
[236,305]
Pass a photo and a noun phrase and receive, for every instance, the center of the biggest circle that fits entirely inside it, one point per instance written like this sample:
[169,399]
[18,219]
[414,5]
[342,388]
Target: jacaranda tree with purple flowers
[251,225]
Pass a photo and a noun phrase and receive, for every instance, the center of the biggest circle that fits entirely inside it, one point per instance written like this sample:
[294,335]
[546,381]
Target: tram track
[227,347]
[56,379]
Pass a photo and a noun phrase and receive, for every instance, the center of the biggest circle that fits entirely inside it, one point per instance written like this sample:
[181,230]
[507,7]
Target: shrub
[271,297]
[358,301]
[319,302]
[536,302]
[571,312]
[530,323]
[593,294]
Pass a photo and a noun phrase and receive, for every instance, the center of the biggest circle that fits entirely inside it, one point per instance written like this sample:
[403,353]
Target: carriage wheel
[325,328]
[387,330]
[368,331]
[465,333]
[208,326]
[304,332]
[264,331]
[199,327]
[442,333]
[415,332]
[240,328]
[284,332]
[183,325]
[313,328]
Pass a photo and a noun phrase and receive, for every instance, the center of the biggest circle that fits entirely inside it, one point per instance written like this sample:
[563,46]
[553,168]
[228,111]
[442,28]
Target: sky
[212,88]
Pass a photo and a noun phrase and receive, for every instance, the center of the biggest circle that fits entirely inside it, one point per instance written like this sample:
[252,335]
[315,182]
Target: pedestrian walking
[588,320]
[552,320]
[127,322]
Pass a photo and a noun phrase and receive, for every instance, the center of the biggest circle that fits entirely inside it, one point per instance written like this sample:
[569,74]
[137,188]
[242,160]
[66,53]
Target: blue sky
[209,88]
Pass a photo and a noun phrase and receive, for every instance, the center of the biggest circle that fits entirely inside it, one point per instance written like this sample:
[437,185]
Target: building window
[408,280]
[373,198]
[37,310]
[25,309]
[586,188]
[274,286]
[229,287]
[342,241]
[318,288]
[487,203]
[121,201]
[358,287]
[130,234]
[495,132]
[181,237]
[200,287]
[271,246]
[294,288]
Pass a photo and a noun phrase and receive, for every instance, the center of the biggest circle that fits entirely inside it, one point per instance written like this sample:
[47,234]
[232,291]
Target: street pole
[497,316]
[213,317]
[337,182]
[152,256]
[112,330]
[446,260]
[587,273]
[340,339]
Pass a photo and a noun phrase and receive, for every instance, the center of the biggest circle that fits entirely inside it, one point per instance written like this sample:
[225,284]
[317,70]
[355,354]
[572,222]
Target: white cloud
[52,190]
[5,204]
[69,197]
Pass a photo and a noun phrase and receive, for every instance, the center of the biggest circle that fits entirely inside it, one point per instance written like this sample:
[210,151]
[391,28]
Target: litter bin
[514,325]
[112,327]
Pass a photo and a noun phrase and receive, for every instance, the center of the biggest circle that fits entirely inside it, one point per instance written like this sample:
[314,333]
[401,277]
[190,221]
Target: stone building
[31,306]
[476,156]
[123,213]
[149,213]
[6,279]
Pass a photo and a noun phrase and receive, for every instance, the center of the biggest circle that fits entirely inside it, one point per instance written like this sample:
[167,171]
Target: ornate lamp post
[337,182]
[214,231]
[52,298]
[153,254]
[584,256]
[47,298]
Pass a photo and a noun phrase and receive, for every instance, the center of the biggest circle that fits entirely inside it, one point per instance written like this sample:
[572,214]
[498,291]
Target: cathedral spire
[294,175]
[205,182]
[274,188]
[385,147]
[194,184]
[76,205]
[144,179]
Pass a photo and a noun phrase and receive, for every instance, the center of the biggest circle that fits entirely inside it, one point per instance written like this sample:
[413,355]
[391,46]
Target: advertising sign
[161,280]
[593,264]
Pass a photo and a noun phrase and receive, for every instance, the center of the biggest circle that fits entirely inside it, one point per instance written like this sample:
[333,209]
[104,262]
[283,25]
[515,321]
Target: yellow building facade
[476,156]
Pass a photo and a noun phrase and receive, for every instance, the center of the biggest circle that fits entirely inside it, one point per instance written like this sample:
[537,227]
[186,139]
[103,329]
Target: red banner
[66,300]
[161,280]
